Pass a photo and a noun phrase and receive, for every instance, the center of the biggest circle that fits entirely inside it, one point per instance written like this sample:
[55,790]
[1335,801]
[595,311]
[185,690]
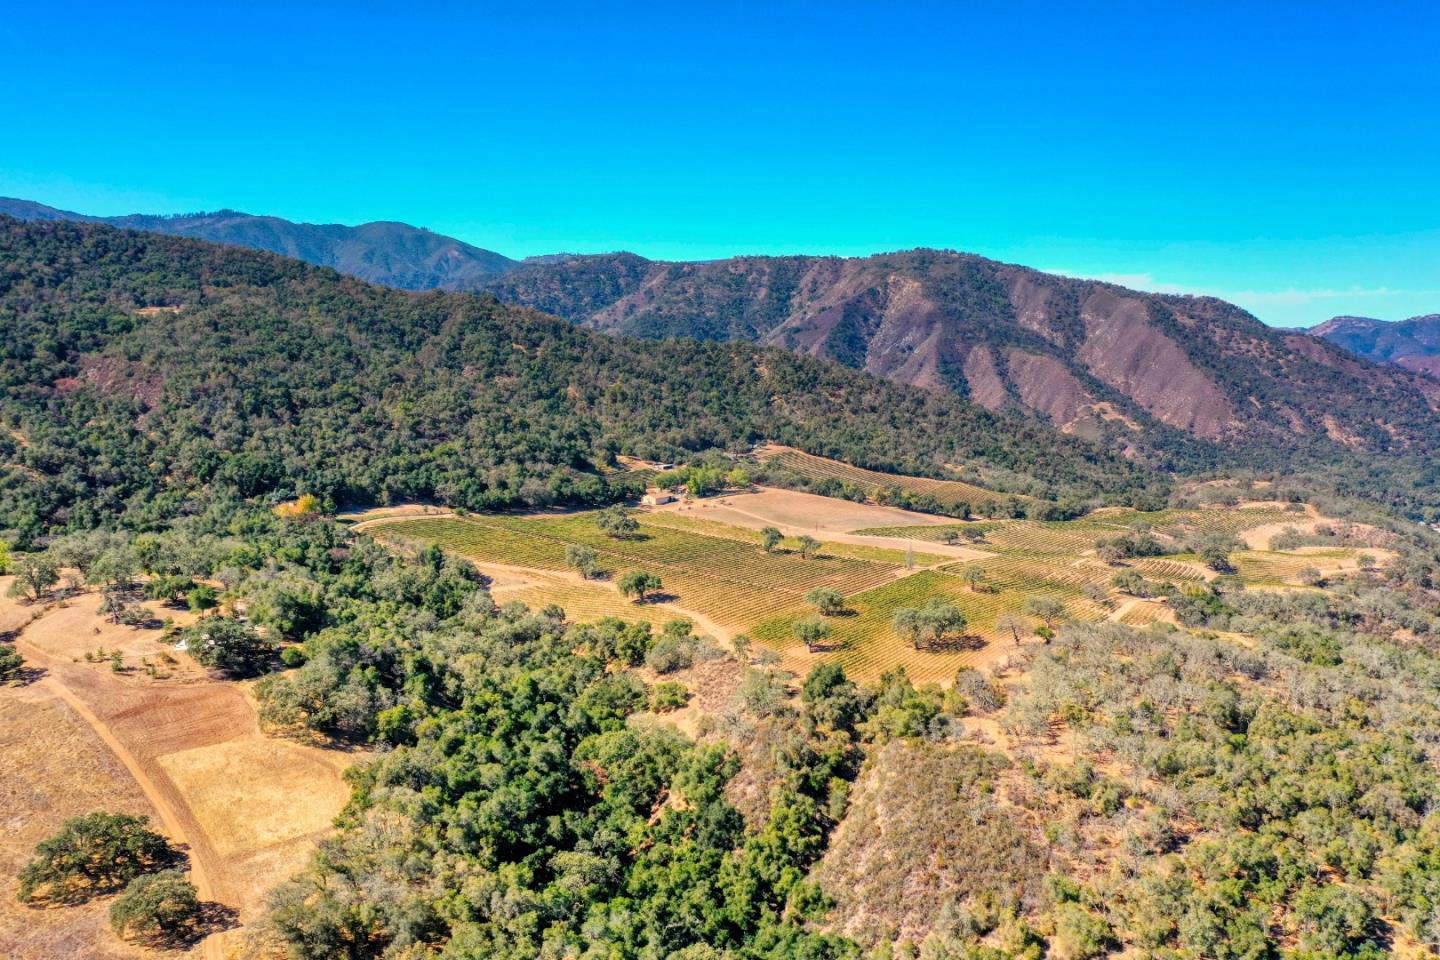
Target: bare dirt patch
[361,517]
[826,518]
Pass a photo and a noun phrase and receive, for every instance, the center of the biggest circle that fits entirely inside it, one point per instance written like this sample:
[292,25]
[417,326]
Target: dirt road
[245,807]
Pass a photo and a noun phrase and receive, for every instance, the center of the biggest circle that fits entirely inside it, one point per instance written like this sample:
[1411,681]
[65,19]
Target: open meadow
[714,570]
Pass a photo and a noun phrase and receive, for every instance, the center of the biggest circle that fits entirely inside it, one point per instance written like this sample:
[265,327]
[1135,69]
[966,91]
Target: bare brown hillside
[1148,370]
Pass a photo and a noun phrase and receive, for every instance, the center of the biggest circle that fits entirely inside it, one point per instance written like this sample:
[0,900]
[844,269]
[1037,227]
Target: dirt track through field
[194,748]
[175,816]
[702,622]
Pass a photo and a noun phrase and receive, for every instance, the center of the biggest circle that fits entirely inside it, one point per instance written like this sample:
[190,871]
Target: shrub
[10,664]
[669,695]
[160,905]
[979,692]
[669,654]
[93,854]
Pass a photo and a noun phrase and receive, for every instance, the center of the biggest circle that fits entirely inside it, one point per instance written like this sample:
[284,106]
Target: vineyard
[719,571]
[1081,534]
[729,579]
[853,551]
[948,492]
[867,645]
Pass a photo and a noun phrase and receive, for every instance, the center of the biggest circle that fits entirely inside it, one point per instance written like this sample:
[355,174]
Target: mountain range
[1413,344]
[394,254]
[1178,380]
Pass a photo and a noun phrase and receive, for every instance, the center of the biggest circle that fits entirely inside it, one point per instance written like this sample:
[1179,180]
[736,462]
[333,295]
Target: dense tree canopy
[136,369]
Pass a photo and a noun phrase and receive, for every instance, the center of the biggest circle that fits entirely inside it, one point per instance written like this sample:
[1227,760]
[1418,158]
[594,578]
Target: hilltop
[1179,381]
[1176,375]
[1413,344]
[395,254]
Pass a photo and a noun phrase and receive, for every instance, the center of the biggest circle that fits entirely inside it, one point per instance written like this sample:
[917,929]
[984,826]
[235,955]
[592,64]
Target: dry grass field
[55,767]
[169,741]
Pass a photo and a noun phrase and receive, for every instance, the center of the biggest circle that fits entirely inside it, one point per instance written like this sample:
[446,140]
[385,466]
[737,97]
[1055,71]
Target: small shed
[654,498]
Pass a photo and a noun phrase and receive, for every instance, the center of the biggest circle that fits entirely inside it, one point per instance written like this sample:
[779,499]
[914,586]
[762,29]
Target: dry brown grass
[247,808]
[55,768]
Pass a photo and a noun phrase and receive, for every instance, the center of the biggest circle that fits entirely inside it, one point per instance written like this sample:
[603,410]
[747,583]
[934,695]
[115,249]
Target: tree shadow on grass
[213,918]
[968,641]
[27,675]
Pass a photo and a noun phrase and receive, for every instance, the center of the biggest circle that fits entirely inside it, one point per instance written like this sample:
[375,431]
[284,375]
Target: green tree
[617,522]
[973,575]
[162,905]
[93,854]
[809,546]
[639,584]
[908,623]
[1335,921]
[740,643]
[812,633]
[583,558]
[202,597]
[1047,609]
[770,538]
[827,600]
[1214,550]
[35,574]
[1132,582]
[942,620]
[228,645]
[930,624]
[169,587]
[11,663]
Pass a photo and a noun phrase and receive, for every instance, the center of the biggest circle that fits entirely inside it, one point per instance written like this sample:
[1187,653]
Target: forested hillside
[1179,382]
[138,368]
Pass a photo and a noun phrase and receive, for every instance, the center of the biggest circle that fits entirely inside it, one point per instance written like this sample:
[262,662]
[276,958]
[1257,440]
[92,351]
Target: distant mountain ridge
[1413,344]
[1178,380]
[1147,372]
[393,254]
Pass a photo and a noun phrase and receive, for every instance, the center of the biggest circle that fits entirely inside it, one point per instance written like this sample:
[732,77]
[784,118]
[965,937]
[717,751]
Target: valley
[422,625]
[715,571]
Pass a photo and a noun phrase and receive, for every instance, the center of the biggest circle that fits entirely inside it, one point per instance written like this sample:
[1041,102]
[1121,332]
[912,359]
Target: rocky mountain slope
[1143,371]
[1413,344]
[1185,381]
[395,254]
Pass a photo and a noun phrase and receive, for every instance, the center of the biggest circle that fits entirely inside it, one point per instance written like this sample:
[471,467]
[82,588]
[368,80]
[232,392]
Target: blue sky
[1285,156]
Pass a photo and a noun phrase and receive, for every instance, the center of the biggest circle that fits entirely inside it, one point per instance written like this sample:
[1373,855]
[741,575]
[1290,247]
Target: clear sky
[1285,156]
